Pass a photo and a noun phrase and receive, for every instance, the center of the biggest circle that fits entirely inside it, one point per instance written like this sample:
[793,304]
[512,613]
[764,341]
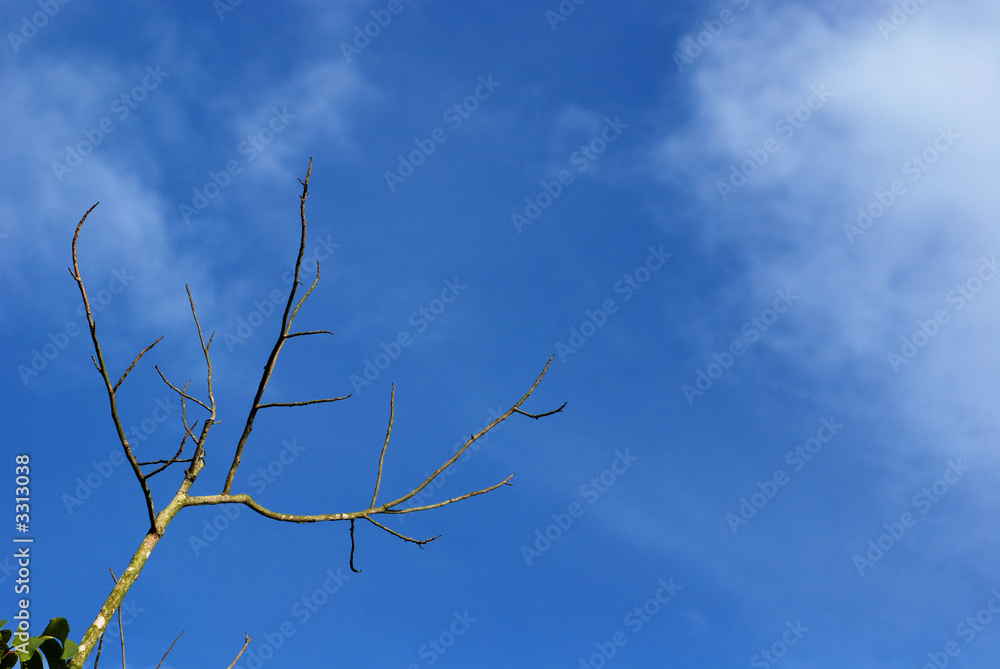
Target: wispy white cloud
[890,103]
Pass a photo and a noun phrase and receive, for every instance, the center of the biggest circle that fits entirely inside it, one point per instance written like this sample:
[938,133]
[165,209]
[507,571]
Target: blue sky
[759,238]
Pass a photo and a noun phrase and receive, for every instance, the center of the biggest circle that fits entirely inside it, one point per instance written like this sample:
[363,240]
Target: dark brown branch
[168,651]
[388,433]
[115,389]
[311,332]
[301,404]
[160,462]
[541,415]
[282,336]
[356,571]
[419,542]
[103,369]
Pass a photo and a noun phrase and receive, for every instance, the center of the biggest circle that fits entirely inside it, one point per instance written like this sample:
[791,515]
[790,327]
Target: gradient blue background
[665,516]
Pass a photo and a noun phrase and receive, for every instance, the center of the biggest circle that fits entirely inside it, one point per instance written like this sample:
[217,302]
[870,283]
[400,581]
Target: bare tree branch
[540,415]
[121,631]
[351,561]
[419,542]
[467,495]
[245,644]
[103,369]
[179,391]
[311,332]
[388,433]
[168,651]
[302,404]
[115,389]
[282,336]
[473,438]
[94,635]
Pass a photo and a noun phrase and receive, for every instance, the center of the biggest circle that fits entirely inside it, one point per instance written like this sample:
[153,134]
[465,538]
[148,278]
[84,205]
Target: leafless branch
[419,542]
[111,389]
[286,323]
[168,651]
[245,644]
[536,416]
[301,404]
[356,571]
[121,631]
[311,332]
[115,389]
[388,433]
[179,391]
[467,495]
[473,438]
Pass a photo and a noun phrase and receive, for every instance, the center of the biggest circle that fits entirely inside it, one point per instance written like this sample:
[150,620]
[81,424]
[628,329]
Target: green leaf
[8,660]
[71,649]
[53,651]
[58,628]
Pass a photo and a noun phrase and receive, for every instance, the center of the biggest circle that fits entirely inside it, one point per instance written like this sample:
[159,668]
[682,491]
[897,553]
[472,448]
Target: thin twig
[282,336]
[142,353]
[356,571]
[473,438]
[301,404]
[168,650]
[102,368]
[540,415]
[388,433]
[121,631]
[245,644]
[419,542]
[310,332]
[179,391]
